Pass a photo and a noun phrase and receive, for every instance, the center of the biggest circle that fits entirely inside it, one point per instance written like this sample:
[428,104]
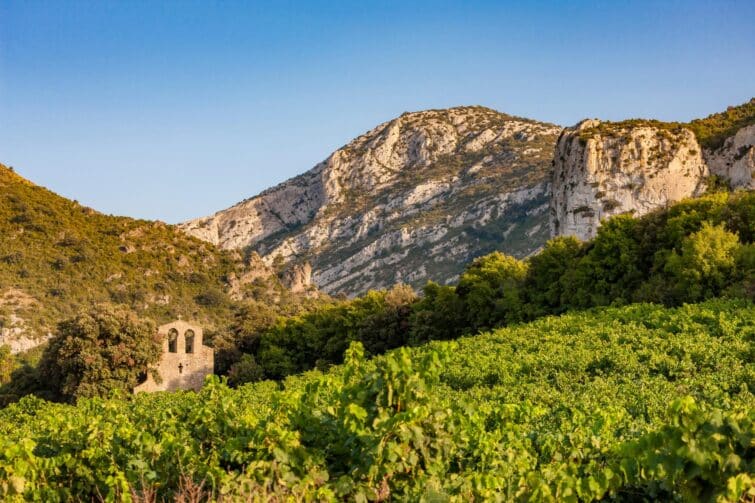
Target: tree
[439,315]
[384,323]
[610,269]
[706,263]
[249,322]
[544,286]
[244,371]
[491,290]
[99,350]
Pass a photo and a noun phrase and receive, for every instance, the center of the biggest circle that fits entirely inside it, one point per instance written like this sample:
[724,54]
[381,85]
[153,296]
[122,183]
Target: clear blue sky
[172,110]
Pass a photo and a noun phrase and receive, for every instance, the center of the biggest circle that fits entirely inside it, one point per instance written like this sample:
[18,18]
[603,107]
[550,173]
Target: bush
[7,364]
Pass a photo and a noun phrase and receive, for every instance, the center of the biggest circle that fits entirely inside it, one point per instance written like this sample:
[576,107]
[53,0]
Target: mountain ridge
[57,256]
[370,193]
[493,184]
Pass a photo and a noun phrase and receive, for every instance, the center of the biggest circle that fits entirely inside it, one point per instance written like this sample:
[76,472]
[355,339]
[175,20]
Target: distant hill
[57,256]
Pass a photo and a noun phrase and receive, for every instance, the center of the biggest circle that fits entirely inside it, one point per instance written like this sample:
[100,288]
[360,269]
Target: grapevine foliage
[628,404]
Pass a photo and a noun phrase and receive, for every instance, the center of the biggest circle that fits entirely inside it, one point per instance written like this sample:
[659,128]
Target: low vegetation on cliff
[711,132]
[58,257]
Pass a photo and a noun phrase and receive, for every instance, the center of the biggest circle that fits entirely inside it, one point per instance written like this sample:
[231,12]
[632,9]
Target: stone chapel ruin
[185,360]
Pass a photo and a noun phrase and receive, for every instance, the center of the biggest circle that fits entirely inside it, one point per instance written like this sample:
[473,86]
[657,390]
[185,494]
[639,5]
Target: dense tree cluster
[695,250]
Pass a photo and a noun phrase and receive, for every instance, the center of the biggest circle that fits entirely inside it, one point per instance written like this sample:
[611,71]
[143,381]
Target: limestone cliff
[603,169]
[413,199]
[735,159]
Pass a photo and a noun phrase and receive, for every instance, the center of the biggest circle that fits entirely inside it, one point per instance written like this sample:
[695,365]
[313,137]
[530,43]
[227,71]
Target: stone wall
[179,369]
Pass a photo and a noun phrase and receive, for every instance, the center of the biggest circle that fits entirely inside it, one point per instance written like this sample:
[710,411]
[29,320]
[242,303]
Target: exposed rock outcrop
[735,160]
[413,199]
[603,169]
[298,278]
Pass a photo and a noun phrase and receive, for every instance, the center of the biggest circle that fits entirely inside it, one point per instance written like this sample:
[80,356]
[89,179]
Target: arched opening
[173,340]
[189,338]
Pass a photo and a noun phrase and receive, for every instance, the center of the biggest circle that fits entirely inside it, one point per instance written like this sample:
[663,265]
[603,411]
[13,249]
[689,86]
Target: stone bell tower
[185,360]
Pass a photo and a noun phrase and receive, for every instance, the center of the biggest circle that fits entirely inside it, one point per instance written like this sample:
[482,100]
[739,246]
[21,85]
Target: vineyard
[630,404]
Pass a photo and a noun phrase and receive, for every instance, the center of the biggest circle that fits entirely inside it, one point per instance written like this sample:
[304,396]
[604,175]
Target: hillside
[413,199]
[640,403]
[57,256]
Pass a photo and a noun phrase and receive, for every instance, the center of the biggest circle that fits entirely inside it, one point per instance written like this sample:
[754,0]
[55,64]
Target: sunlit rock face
[602,170]
[734,161]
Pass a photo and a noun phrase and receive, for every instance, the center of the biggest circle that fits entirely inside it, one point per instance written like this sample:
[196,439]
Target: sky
[174,110]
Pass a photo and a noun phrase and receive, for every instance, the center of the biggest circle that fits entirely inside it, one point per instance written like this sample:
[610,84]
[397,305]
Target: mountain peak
[394,186]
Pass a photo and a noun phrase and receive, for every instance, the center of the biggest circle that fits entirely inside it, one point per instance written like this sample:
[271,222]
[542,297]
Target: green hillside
[57,256]
[632,404]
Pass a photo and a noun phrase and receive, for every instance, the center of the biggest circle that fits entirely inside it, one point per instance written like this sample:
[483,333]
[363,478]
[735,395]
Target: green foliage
[102,349]
[630,404]
[490,289]
[544,288]
[711,131]
[245,370]
[440,314]
[7,364]
[706,263]
[701,455]
[59,257]
[379,320]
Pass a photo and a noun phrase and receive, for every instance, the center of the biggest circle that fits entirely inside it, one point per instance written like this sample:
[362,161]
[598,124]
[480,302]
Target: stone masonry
[185,361]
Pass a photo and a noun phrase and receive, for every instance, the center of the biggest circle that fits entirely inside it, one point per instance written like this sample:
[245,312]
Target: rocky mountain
[57,256]
[413,199]
[606,168]
[418,197]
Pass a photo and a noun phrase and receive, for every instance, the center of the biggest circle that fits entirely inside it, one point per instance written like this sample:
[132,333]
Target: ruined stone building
[185,360]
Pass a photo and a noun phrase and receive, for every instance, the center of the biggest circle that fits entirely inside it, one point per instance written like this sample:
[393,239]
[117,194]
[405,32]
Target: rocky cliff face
[735,160]
[603,169]
[413,199]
